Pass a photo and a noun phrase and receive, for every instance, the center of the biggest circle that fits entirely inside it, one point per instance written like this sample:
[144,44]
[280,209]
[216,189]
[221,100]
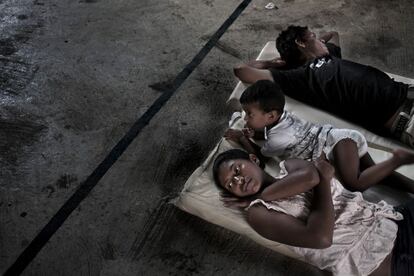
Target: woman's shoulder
[259,212]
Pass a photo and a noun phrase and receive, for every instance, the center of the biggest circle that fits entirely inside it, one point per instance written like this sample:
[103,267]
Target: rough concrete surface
[75,75]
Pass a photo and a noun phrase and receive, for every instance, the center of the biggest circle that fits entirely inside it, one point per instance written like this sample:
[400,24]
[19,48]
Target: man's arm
[332,37]
[249,74]
[267,64]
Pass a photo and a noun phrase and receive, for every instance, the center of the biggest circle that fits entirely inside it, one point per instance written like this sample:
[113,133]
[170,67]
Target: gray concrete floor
[75,75]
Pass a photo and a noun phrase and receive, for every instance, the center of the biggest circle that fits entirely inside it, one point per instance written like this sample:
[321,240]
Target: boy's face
[256,118]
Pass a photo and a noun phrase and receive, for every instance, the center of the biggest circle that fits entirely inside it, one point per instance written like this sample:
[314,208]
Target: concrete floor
[75,75]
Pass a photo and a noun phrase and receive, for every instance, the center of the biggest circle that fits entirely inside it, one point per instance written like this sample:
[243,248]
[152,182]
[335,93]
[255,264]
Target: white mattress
[200,196]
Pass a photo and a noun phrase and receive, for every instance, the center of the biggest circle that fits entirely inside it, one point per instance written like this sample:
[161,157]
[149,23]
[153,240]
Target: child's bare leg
[347,164]
[395,179]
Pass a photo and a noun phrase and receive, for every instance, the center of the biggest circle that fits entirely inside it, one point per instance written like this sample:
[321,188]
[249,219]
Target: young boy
[288,136]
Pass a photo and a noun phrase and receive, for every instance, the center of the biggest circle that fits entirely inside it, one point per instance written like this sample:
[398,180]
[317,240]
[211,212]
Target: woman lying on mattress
[310,211]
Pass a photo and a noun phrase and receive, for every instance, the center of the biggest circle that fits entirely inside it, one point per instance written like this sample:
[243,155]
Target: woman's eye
[230,185]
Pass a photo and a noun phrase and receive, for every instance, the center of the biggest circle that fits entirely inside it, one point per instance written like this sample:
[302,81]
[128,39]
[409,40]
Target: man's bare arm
[267,64]
[332,37]
[249,74]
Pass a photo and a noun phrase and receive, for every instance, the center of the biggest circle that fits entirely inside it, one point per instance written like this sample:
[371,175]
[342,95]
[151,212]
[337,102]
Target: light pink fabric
[364,232]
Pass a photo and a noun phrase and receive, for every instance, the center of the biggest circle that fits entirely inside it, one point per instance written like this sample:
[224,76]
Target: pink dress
[364,232]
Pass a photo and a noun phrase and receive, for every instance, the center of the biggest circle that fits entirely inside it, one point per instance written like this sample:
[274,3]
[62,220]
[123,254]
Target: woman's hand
[325,169]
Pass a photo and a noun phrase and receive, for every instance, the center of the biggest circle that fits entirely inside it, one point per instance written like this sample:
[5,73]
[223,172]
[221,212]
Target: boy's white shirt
[284,138]
[282,117]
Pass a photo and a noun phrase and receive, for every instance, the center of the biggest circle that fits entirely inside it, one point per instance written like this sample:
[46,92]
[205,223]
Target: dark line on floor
[150,225]
[84,189]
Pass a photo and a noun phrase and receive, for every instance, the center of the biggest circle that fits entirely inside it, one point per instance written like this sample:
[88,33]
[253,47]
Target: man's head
[298,44]
[263,103]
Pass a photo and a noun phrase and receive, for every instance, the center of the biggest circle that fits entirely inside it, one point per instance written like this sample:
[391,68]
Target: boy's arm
[251,147]
[239,137]
[302,176]
[259,134]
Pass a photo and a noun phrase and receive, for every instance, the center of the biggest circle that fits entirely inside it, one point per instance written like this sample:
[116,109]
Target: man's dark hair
[224,157]
[287,47]
[267,94]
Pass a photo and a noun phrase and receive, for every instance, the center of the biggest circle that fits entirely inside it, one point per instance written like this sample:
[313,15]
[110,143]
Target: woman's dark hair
[287,47]
[267,94]
[224,157]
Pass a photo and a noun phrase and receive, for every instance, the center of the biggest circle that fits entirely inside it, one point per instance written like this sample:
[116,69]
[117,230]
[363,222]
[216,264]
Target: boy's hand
[248,132]
[236,202]
[325,169]
[233,134]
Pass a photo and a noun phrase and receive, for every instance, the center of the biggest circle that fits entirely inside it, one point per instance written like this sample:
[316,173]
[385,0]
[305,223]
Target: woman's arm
[316,232]
[302,176]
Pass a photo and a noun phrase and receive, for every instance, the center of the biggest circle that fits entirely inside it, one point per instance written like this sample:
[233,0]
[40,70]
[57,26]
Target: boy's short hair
[267,94]
[287,47]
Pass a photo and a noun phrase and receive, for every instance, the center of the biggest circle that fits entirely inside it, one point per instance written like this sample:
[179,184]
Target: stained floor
[75,75]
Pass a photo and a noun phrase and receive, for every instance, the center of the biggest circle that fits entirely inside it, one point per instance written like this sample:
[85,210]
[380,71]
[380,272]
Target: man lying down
[312,71]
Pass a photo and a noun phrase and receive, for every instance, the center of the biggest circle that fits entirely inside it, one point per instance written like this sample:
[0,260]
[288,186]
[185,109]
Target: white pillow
[201,197]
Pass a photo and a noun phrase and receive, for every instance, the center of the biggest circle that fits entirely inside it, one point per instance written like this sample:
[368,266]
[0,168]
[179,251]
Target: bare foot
[405,157]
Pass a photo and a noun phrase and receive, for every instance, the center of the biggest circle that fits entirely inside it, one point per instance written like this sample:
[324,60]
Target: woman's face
[241,177]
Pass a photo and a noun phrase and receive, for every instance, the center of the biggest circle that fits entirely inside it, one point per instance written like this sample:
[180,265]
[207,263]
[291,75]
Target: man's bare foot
[404,157]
